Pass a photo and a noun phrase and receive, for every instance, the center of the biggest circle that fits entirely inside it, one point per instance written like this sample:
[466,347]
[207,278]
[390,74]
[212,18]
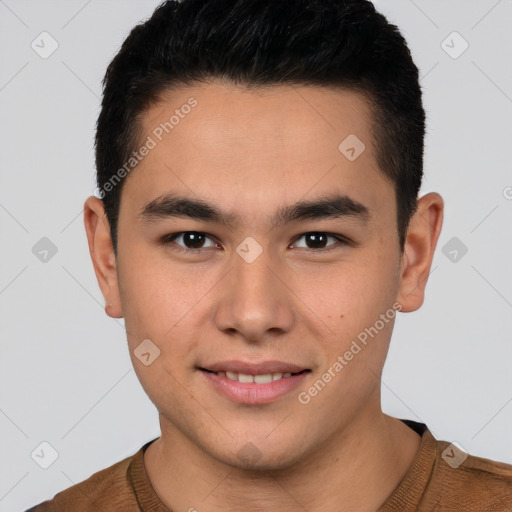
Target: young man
[259,164]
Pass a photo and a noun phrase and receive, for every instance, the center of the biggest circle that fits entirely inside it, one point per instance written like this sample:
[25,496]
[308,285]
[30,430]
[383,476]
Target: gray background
[66,376]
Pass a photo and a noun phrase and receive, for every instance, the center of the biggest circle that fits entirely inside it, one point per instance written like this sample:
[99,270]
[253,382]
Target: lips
[262,368]
[254,383]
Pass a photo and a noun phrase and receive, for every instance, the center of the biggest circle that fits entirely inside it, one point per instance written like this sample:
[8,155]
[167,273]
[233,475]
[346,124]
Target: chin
[259,457]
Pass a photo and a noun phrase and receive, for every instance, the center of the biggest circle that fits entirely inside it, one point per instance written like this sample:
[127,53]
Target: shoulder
[108,489]
[475,483]
[443,478]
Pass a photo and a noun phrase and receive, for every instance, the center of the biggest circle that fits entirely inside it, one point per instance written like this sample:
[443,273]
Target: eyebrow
[323,208]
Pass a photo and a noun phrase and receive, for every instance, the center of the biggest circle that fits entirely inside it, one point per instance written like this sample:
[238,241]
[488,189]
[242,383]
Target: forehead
[258,147]
[286,115]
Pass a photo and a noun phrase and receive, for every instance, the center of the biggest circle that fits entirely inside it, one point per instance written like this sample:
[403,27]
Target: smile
[253,389]
[264,378]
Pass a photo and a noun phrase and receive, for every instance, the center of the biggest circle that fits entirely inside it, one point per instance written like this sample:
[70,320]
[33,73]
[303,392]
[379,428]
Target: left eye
[318,240]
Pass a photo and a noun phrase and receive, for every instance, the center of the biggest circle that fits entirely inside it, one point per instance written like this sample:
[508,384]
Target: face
[281,255]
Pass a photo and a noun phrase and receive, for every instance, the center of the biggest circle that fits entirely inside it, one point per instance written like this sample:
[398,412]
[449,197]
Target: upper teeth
[258,379]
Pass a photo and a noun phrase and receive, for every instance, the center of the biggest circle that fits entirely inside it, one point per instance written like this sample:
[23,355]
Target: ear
[422,235]
[102,255]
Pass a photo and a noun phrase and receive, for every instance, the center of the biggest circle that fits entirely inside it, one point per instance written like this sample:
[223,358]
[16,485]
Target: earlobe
[102,254]
[422,236]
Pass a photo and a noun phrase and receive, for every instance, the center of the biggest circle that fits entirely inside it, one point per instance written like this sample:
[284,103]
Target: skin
[250,153]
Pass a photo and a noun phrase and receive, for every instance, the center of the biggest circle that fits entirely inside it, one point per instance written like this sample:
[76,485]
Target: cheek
[165,302]
[350,300]
[151,285]
[352,292]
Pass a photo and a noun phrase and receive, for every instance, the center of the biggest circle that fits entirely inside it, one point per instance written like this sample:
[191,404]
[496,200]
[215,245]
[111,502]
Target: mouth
[254,384]
[261,378]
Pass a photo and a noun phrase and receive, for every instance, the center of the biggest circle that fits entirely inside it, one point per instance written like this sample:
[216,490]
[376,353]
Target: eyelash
[168,241]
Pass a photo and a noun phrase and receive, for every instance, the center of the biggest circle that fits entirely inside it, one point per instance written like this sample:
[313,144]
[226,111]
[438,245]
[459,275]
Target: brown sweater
[440,479]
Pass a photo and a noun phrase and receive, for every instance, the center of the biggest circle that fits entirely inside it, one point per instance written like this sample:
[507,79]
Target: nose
[255,302]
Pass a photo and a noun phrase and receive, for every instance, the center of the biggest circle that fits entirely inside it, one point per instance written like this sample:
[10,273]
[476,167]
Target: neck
[355,470]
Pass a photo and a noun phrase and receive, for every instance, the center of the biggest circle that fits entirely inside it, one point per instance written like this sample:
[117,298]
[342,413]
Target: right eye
[187,241]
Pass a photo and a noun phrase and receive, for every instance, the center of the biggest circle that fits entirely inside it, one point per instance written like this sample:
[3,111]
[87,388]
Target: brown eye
[191,241]
[316,240]
[319,240]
